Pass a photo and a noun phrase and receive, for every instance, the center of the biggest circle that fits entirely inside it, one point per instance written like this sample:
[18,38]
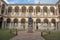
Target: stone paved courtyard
[28,36]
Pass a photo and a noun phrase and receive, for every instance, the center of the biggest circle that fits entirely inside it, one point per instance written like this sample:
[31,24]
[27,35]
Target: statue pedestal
[30,29]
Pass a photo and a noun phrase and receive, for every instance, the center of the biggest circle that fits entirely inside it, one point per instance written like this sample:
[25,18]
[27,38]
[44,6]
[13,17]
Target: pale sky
[31,1]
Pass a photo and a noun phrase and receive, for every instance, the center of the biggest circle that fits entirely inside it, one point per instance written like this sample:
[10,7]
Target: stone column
[42,12]
[33,26]
[27,11]
[20,25]
[20,11]
[48,11]
[3,24]
[11,23]
[0,8]
[13,12]
[26,26]
[55,11]
[34,11]
[56,25]
[49,25]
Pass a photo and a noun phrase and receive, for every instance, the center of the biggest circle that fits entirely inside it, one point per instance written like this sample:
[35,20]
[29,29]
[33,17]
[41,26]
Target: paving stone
[28,36]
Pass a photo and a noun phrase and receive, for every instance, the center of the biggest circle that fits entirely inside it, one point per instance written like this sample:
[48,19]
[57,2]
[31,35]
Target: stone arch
[23,20]
[38,21]
[3,6]
[8,20]
[37,9]
[52,9]
[46,21]
[23,9]
[23,23]
[53,21]
[9,9]
[15,20]
[45,9]
[30,9]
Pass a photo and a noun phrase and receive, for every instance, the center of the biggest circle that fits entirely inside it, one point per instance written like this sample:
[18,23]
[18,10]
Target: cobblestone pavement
[28,36]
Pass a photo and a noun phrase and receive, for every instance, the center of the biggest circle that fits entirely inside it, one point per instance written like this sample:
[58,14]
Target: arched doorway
[38,21]
[45,23]
[30,24]
[1,20]
[23,24]
[53,23]
[15,22]
[8,22]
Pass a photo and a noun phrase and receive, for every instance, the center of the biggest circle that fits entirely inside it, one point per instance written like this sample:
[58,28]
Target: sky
[31,1]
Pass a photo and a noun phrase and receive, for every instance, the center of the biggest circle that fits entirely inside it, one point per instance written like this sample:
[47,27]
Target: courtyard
[28,36]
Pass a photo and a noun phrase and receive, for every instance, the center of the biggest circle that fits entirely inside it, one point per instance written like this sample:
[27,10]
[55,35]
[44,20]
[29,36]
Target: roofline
[3,1]
[30,4]
[57,2]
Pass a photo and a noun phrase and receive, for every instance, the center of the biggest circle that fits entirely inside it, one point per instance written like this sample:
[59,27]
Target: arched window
[37,9]
[3,8]
[23,9]
[59,8]
[45,9]
[52,9]
[30,9]
[16,9]
[9,9]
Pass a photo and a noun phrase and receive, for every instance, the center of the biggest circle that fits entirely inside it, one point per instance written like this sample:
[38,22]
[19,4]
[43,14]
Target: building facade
[30,16]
